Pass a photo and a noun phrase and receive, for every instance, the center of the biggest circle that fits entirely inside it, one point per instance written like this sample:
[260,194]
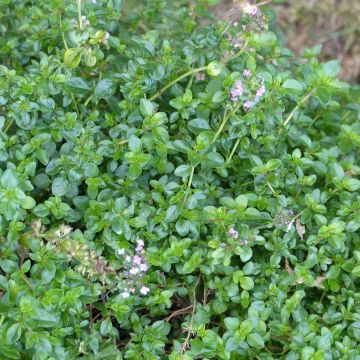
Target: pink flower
[125,294]
[143,267]
[137,260]
[140,245]
[247,73]
[144,290]
[248,105]
[233,233]
[251,10]
[133,271]
[121,251]
[261,91]
[236,91]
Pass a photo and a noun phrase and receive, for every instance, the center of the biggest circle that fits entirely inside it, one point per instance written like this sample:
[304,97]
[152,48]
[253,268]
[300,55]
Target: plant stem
[62,33]
[270,186]
[190,328]
[31,286]
[88,100]
[225,120]
[76,106]
[7,127]
[296,108]
[194,71]
[79,14]
[232,57]
[232,152]
[191,177]
[171,83]
[264,3]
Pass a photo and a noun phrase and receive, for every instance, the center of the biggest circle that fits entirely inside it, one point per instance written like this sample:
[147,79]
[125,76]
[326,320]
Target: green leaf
[213,159]
[293,85]
[28,203]
[198,125]
[231,323]
[105,89]
[272,164]
[72,57]
[137,222]
[255,340]
[77,85]
[247,283]
[105,327]
[351,184]
[331,68]
[135,144]
[241,202]
[356,271]
[8,179]
[146,107]
[264,39]
[60,186]
[183,170]
[13,334]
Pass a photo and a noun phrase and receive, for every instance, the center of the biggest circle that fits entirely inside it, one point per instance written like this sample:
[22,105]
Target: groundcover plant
[171,189]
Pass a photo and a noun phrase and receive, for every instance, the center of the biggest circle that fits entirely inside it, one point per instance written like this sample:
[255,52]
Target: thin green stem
[194,71]
[270,186]
[171,83]
[296,108]
[7,127]
[190,330]
[299,214]
[191,177]
[232,152]
[233,57]
[123,142]
[190,82]
[263,3]
[62,32]
[141,131]
[79,14]
[76,106]
[225,120]
[88,100]
[31,286]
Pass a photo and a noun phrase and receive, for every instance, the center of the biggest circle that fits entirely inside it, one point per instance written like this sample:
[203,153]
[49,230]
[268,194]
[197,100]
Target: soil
[305,23]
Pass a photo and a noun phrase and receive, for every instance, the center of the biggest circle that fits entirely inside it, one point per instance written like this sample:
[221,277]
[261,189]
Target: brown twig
[179,312]
[190,330]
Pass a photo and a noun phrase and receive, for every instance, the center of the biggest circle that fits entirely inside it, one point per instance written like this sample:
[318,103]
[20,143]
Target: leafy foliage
[230,166]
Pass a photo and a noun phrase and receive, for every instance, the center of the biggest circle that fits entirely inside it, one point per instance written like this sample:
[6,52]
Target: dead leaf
[300,229]
[319,280]
[289,270]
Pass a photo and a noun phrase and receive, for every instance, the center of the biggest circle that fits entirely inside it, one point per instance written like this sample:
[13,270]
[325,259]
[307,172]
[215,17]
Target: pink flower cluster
[251,10]
[236,41]
[237,90]
[261,91]
[233,233]
[247,73]
[136,266]
[259,94]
